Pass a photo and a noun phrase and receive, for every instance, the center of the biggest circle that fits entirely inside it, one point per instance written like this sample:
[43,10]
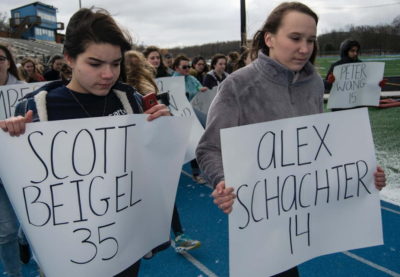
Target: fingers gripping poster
[94,195]
[304,188]
[180,106]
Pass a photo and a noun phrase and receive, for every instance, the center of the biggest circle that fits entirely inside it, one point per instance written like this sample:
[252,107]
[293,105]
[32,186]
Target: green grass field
[385,124]
[392,63]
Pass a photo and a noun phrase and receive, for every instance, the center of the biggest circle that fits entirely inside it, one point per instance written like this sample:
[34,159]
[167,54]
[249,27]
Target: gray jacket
[262,91]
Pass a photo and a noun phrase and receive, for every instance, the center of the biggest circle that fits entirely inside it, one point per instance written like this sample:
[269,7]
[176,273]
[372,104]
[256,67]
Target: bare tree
[4,25]
[396,22]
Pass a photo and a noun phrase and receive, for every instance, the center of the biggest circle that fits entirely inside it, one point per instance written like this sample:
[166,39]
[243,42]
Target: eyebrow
[300,34]
[101,61]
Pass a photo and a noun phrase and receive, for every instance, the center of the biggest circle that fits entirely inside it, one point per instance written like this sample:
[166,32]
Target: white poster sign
[180,106]
[94,195]
[9,96]
[202,101]
[305,188]
[356,84]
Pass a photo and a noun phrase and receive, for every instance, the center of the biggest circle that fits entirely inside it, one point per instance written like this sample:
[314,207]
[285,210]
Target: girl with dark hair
[153,56]
[244,60]
[217,74]
[280,83]
[199,68]
[94,49]
[182,68]
[54,71]
[8,69]
[232,59]
[349,51]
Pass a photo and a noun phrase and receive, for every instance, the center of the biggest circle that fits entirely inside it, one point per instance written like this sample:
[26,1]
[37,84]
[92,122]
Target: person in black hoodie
[349,50]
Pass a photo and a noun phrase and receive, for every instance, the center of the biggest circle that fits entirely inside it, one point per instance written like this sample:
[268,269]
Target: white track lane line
[390,210]
[371,264]
[189,257]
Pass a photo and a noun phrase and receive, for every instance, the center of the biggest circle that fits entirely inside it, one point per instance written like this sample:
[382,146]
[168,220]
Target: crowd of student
[32,70]
[98,57]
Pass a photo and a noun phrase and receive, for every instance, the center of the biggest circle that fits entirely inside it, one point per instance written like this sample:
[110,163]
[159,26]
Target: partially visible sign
[9,96]
[180,106]
[201,101]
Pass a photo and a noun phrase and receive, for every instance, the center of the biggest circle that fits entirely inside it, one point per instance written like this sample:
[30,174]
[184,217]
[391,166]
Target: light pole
[243,36]
[80,4]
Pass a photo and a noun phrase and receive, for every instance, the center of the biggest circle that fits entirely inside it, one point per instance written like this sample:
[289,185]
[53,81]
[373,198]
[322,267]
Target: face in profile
[293,43]
[96,70]
[154,59]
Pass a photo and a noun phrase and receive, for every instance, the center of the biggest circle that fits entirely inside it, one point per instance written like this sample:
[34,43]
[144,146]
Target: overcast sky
[169,23]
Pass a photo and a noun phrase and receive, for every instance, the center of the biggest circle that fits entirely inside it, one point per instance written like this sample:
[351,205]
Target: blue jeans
[9,249]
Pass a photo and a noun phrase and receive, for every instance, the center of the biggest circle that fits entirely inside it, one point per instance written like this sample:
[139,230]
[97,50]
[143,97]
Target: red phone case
[149,100]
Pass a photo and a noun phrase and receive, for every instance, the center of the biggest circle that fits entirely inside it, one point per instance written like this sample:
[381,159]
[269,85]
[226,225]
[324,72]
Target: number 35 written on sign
[107,242]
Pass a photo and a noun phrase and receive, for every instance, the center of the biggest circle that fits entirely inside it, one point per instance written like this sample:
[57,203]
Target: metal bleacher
[33,48]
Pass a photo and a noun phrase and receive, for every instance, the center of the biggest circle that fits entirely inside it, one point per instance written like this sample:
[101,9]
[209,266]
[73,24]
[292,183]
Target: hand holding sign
[223,197]
[157,111]
[380,178]
[16,125]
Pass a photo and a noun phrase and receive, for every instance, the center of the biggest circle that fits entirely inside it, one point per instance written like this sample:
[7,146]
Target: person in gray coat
[280,83]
